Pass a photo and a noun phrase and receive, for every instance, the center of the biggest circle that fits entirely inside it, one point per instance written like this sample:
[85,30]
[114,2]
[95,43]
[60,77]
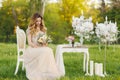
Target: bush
[12,39]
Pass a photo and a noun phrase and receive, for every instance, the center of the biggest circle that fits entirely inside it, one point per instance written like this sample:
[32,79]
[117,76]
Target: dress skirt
[40,64]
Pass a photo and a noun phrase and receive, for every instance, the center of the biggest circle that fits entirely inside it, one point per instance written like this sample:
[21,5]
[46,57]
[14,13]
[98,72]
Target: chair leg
[17,66]
[23,66]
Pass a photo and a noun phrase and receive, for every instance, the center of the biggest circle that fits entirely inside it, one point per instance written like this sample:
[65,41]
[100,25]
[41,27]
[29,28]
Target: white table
[65,48]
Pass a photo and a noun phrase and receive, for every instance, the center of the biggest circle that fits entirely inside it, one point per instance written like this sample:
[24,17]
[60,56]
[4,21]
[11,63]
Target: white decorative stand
[106,31]
[91,68]
[105,60]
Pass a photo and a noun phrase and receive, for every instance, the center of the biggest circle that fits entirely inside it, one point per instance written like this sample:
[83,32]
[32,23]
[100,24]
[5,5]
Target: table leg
[84,64]
[87,61]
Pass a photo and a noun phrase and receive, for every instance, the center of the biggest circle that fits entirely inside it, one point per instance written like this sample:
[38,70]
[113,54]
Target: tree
[114,14]
[10,10]
[57,28]
[6,23]
[103,7]
[69,8]
[116,3]
[37,6]
[20,12]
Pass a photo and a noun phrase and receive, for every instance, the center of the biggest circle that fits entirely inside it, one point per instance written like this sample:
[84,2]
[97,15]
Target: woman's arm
[30,43]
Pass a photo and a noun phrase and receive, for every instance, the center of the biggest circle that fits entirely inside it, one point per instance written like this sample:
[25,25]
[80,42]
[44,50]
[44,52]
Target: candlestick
[106,18]
[90,18]
[82,12]
[73,18]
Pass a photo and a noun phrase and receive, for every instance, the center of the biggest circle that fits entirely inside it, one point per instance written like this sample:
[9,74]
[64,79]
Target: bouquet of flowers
[70,38]
[44,39]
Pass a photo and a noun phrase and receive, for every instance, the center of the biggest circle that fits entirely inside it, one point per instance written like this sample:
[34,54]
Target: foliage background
[57,16]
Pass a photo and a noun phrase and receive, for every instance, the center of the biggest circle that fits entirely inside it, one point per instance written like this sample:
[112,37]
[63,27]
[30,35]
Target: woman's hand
[45,44]
[34,46]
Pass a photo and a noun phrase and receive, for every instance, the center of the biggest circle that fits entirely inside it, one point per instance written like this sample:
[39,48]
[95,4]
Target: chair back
[21,39]
[21,44]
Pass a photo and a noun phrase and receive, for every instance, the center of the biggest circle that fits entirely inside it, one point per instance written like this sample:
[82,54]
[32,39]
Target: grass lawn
[73,63]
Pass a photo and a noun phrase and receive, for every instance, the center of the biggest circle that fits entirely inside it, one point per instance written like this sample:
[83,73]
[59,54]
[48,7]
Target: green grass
[73,63]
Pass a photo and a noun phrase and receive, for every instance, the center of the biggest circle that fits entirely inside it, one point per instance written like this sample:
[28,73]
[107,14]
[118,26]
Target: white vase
[70,43]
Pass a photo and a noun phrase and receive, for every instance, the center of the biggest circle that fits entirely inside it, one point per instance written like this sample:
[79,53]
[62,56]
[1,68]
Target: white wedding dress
[39,62]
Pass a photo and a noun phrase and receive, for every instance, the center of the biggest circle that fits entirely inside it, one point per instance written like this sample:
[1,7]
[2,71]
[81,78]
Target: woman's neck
[38,28]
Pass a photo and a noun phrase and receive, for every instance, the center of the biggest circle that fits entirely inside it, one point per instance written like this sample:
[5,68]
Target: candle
[73,18]
[82,12]
[115,23]
[91,67]
[106,18]
[101,70]
[96,23]
[96,69]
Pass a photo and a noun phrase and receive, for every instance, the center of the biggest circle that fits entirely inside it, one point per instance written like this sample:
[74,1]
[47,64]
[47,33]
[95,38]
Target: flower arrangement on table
[44,39]
[70,39]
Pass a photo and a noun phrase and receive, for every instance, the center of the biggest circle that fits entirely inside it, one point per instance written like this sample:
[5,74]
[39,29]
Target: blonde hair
[32,25]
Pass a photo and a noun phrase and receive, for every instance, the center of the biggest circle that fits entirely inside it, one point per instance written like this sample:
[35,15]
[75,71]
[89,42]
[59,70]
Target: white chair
[21,43]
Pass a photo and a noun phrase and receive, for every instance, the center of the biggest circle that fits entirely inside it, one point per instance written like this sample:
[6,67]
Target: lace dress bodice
[34,38]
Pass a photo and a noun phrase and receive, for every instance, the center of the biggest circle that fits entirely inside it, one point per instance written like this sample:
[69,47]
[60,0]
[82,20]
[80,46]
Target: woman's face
[38,21]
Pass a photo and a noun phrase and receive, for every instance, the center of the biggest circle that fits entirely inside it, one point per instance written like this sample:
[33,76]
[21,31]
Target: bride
[38,58]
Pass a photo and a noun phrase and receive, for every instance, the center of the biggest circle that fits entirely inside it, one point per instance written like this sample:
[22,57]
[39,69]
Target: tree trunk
[42,9]
[116,3]
[103,10]
[14,15]
[37,6]
[7,38]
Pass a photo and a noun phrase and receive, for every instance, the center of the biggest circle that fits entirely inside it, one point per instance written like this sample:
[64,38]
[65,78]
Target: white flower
[106,32]
[82,26]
